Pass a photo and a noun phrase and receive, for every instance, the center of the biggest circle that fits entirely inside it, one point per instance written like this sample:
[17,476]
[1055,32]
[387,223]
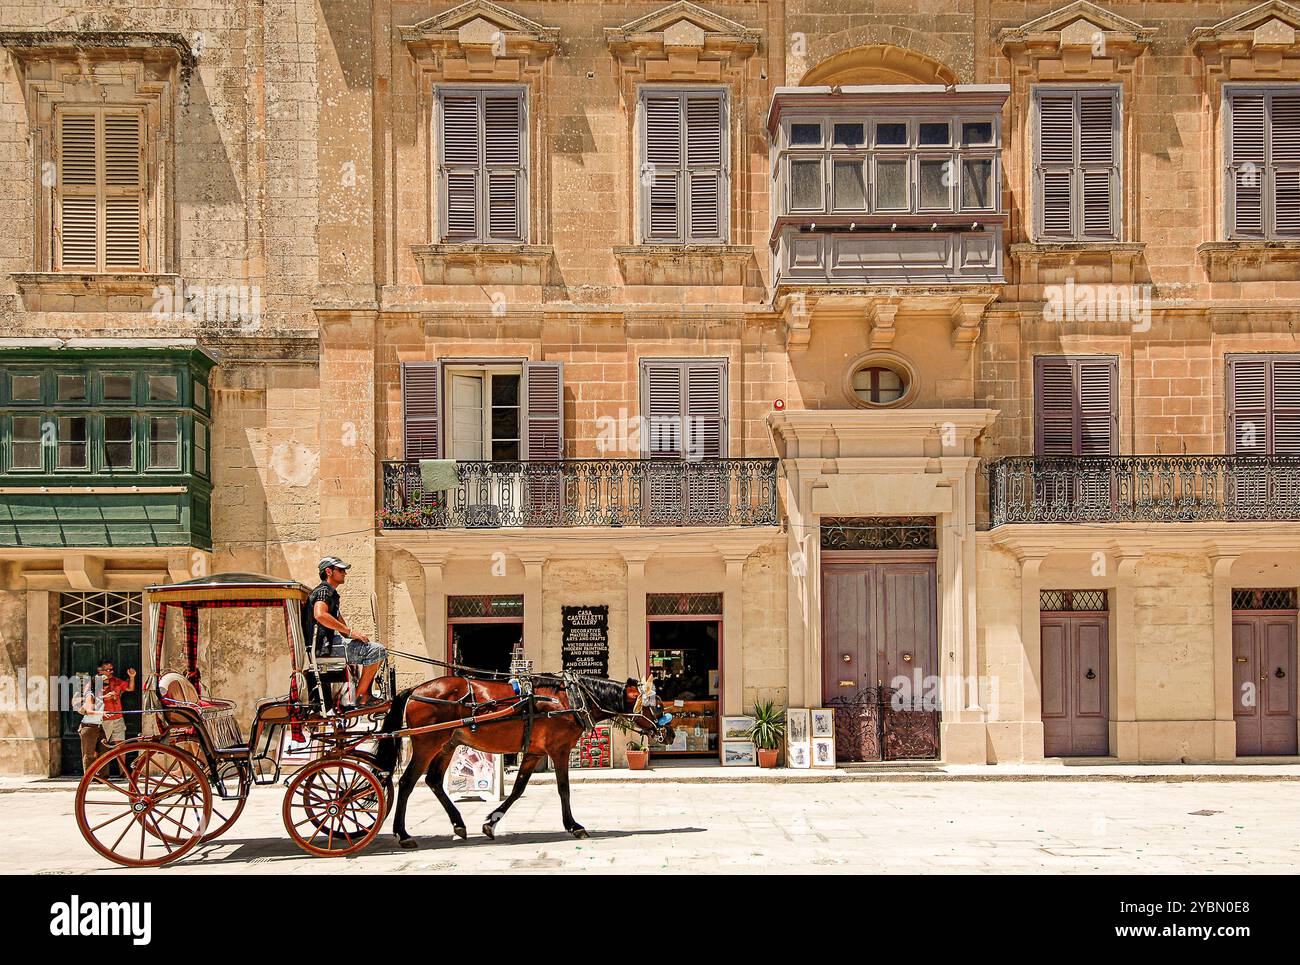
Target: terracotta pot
[766,757]
[637,760]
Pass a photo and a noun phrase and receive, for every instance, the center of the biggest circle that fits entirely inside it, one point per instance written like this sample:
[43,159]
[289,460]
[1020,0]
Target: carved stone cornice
[1080,38]
[480,40]
[1262,41]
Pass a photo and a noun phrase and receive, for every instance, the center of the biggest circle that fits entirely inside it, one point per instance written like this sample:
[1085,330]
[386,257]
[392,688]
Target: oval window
[877,384]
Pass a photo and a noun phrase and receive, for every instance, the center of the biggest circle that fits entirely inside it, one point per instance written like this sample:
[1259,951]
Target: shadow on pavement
[272,849]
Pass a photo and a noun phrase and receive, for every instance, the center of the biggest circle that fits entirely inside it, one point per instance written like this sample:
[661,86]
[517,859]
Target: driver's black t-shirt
[316,636]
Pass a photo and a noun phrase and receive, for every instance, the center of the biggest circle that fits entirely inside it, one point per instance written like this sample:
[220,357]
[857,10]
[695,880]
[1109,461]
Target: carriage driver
[329,636]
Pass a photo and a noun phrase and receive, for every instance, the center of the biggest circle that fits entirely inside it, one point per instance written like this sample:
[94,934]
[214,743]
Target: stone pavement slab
[1062,827]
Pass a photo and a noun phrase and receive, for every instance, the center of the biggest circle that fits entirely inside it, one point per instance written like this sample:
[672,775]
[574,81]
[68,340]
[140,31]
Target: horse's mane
[609,694]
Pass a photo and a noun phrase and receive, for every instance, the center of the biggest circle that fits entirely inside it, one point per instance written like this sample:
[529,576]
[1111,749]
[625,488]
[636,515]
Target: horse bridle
[645,689]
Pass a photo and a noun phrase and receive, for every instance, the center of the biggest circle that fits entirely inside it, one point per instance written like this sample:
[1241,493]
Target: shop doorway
[95,627]
[684,659]
[483,631]
[1263,671]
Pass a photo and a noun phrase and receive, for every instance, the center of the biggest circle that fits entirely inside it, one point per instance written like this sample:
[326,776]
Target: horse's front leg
[526,767]
[561,763]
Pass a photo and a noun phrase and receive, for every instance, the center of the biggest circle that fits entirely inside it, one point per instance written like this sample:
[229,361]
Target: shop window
[684,661]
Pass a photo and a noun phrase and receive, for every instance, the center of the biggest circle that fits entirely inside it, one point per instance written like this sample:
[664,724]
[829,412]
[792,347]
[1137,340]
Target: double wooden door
[1076,684]
[1263,678]
[879,626]
[82,649]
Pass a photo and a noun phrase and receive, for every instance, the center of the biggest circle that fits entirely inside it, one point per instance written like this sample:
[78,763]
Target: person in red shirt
[111,689]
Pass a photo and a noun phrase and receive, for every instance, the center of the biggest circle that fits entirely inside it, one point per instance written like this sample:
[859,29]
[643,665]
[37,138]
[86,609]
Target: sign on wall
[584,646]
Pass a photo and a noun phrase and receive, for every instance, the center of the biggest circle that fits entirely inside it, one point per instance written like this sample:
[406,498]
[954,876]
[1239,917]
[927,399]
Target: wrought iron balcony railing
[1143,489]
[584,492]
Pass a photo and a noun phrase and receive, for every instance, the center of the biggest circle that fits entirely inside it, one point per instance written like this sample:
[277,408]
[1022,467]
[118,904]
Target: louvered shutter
[1075,406]
[1098,172]
[1055,416]
[706,409]
[77,242]
[661,409]
[461,164]
[661,178]
[1248,405]
[544,400]
[421,408]
[1246,163]
[1078,164]
[504,152]
[1284,158]
[704,167]
[1056,171]
[1285,385]
[1098,427]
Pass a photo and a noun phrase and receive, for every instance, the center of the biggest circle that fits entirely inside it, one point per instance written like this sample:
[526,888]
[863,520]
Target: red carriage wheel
[144,804]
[234,775]
[334,807]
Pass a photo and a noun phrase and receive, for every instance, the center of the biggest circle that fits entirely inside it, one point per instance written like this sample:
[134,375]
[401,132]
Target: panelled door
[1075,679]
[879,623]
[1263,678]
[82,648]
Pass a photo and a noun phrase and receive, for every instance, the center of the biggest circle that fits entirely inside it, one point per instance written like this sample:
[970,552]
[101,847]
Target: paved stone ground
[664,826]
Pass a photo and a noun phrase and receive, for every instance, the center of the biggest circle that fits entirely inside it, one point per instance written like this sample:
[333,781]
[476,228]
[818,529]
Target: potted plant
[768,731]
[638,751]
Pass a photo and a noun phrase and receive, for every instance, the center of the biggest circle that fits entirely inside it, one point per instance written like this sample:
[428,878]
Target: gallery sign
[584,646]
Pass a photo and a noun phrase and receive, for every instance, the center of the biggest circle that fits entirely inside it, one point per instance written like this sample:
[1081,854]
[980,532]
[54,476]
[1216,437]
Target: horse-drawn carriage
[152,799]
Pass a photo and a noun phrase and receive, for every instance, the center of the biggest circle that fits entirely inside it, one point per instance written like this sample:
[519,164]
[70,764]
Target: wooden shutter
[661,409]
[544,403]
[1246,163]
[1078,164]
[503,144]
[1056,170]
[1284,158]
[1098,428]
[1264,405]
[78,205]
[706,409]
[1098,170]
[705,167]
[421,409]
[661,178]
[1076,406]
[461,164]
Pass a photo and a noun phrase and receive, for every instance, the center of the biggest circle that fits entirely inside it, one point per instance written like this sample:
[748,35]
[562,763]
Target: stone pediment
[1266,32]
[1082,36]
[683,34]
[481,26]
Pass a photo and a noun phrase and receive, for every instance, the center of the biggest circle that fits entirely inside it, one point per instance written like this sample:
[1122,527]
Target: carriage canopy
[222,590]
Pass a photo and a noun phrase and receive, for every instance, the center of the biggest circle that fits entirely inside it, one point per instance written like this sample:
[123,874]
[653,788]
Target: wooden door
[82,648]
[1075,681]
[1264,659]
[879,624]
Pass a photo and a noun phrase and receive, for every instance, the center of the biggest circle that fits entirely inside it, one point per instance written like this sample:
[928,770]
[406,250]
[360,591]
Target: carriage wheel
[224,812]
[144,804]
[334,807]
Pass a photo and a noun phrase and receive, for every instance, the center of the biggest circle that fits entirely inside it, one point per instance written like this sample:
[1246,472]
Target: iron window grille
[1072,601]
[683,604]
[100,609]
[485,606]
[1270,599]
[879,533]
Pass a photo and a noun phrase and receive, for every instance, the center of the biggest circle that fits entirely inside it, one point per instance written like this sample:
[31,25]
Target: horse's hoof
[460,832]
[408,843]
[579,833]
[487,830]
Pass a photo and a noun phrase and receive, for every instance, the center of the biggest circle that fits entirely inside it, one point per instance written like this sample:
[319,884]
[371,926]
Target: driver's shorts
[355,652]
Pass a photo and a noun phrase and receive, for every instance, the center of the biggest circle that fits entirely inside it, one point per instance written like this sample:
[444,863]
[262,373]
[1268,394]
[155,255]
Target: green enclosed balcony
[104,446]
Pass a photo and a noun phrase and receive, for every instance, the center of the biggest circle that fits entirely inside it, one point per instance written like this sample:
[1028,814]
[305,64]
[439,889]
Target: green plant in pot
[768,731]
[638,748]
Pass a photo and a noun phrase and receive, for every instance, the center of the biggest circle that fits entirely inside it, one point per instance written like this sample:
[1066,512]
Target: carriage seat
[218,715]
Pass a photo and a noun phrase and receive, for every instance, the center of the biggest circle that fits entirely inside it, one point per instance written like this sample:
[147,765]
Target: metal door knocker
[1279,673]
[1090,675]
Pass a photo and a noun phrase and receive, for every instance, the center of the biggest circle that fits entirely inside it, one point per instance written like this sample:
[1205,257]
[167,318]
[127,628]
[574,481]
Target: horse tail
[390,747]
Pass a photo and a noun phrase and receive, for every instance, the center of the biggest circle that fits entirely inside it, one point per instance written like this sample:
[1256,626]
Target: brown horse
[559,718]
